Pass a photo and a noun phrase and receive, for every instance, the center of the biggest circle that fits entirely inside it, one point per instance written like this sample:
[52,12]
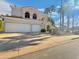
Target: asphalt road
[69,50]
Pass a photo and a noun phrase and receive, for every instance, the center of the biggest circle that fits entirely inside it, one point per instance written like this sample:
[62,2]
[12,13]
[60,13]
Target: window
[34,16]
[27,15]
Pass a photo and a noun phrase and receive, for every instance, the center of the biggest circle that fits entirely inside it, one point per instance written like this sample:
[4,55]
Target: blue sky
[35,3]
[40,4]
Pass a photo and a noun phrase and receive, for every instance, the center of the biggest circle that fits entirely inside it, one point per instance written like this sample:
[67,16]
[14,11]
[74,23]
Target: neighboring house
[25,19]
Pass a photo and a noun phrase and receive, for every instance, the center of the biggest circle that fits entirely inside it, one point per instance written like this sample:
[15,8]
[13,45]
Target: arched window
[34,16]
[27,15]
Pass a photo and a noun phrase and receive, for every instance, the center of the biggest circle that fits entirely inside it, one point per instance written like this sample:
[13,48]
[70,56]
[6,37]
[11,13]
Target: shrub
[43,30]
[48,27]
[50,31]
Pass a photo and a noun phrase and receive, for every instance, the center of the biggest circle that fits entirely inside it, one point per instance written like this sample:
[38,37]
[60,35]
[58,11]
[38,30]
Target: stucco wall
[32,11]
[16,11]
[20,12]
[25,21]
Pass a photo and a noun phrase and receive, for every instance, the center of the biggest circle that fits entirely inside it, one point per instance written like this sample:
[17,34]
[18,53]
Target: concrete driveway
[9,41]
[20,45]
[69,50]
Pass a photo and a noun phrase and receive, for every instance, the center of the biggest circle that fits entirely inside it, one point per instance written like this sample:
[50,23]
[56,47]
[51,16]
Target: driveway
[21,45]
[10,41]
[69,50]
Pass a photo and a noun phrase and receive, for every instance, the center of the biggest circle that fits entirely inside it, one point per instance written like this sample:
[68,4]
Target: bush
[48,27]
[43,30]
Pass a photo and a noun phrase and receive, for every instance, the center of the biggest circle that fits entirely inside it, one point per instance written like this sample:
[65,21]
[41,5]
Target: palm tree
[73,20]
[49,11]
[51,20]
[62,15]
[52,9]
[61,11]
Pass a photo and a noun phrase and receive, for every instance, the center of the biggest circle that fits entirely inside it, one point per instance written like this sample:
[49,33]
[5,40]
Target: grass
[3,35]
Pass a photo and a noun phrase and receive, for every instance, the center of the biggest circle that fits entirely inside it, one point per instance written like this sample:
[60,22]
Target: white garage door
[36,28]
[14,27]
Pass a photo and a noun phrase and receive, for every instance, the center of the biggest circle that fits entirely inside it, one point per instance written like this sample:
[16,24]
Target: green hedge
[43,30]
[1,25]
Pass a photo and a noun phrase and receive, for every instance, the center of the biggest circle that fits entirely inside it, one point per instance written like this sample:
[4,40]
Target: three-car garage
[19,27]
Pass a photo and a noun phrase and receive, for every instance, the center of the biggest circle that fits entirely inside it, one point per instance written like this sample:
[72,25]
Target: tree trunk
[68,23]
[62,22]
[62,17]
[73,24]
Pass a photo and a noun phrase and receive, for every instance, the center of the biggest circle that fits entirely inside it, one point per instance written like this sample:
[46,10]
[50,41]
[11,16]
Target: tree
[51,20]
[62,16]
[73,24]
[52,8]
[73,17]
[48,27]
[59,11]
[64,7]
[49,11]
[46,11]
[68,22]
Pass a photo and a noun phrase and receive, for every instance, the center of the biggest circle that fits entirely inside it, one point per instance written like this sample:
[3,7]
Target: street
[68,50]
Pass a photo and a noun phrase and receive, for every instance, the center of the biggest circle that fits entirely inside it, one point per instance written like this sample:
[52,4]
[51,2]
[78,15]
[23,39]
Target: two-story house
[24,19]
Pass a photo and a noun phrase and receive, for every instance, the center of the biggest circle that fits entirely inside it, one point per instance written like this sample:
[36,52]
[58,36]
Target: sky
[39,4]
[34,3]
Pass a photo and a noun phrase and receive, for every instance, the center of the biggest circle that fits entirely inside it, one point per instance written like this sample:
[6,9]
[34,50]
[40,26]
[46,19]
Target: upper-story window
[34,16]
[27,15]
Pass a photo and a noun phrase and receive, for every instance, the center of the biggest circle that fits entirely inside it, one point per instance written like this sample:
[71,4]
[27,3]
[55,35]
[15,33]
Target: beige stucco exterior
[20,11]
[23,21]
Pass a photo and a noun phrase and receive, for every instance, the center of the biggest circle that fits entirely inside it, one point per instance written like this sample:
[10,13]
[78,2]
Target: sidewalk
[46,43]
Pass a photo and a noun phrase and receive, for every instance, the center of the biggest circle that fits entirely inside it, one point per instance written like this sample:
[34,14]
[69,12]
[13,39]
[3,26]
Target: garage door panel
[36,28]
[14,27]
